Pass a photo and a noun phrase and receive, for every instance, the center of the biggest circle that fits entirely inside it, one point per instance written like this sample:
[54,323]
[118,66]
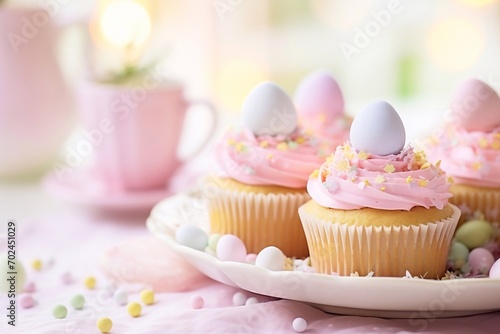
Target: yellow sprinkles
[423,183]
[389,168]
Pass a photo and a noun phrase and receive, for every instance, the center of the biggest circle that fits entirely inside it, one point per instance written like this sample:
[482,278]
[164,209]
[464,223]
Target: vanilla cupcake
[377,206]
[264,170]
[320,106]
[468,147]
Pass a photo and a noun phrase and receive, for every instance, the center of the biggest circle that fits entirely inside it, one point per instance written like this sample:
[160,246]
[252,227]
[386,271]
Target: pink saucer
[151,262]
[79,187]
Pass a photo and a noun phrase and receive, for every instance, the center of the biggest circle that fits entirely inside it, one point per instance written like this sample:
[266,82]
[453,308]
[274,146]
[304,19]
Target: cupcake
[265,166]
[377,206]
[468,147]
[320,106]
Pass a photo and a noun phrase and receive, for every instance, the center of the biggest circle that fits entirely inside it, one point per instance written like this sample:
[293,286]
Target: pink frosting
[471,158]
[335,131]
[270,160]
[352,180]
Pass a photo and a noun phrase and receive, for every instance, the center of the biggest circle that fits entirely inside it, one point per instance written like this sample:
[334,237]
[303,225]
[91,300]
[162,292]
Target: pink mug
[134,132]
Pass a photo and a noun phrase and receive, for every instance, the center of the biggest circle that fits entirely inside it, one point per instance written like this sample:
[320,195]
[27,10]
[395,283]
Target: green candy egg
[77,302]
[474,233]
[458,254]
[59,311]
[213,239]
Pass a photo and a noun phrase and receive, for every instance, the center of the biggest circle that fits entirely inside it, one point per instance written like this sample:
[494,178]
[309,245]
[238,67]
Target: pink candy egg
[475,106]
[480,260]
[495,270]
[317,94]
[197,302]
[231,248]
[26,300]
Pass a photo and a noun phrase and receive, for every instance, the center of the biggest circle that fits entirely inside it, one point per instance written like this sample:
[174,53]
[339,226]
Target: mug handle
[213,125]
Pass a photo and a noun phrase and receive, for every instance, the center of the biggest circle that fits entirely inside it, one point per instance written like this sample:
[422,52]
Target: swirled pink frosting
[270,160]
[471,158]
[352,180]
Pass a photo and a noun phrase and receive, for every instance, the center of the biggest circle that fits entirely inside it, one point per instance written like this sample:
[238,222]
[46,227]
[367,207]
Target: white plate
[367,296]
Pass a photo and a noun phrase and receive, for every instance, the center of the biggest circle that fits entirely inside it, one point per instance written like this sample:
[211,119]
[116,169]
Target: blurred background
[411,53]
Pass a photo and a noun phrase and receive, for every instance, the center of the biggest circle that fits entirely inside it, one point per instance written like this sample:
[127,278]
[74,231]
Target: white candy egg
[192,236]
[271,258]
[231,248]
[378,129]
[268,110]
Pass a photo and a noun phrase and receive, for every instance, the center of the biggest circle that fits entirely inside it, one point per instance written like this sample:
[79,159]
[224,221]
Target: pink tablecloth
[75,241]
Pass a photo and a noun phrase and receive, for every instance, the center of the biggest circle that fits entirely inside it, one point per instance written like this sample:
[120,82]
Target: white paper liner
[387,251]
[260,220]
[486,202]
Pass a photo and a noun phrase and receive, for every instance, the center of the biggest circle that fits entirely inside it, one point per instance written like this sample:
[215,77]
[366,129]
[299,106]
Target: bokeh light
[455,44]
[235,80]
[478,3]
[125,23]
[342,14]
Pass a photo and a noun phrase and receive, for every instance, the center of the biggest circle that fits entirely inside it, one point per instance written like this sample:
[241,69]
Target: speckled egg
[271,258]
[378,129]
[192,236]
[475,106]
[458,254]
[481,260]
[231,248]
[319,94]
[474,233]
[268,110]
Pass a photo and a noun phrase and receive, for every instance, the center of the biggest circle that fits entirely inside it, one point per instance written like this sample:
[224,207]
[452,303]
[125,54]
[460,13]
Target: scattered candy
[495,269]
[458,255]
[77,302]
[197,302]
[251,301]
[192,236]
[261,107]
[231,248]
[134,309]
[36,264]
[89,282]
[67,278]
[378,129]
[271,258]
[213,239]
[474,233]
[120,297]
[250,258]
[104,324]
[30,287]
[239,299]
[59,311]
[26,300]
[299,325]
[148,296]
[481,260]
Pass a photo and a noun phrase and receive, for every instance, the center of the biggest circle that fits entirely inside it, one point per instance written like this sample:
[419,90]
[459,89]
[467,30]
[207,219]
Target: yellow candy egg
[148,296]
[36,264]
[104,324]
[134,309]
[89,282]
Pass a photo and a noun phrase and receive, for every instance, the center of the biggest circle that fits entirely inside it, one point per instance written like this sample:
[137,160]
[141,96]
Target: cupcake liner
[260,220]
[384,250]
[472,199]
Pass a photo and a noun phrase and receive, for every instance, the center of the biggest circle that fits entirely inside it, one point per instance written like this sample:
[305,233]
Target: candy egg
[458,254]
[378,129]
[481,260]
[239,299]
[197,302]
[299,325]
[148,296]
[495,269]
[474,233]
[77,301]
[26,300]
[134,309]
[475,106]
[213,239]
[59,311]
[268,110]
[231,248]
[104,324]
[192,236]
[318,94]
[271,258]
[120,297]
